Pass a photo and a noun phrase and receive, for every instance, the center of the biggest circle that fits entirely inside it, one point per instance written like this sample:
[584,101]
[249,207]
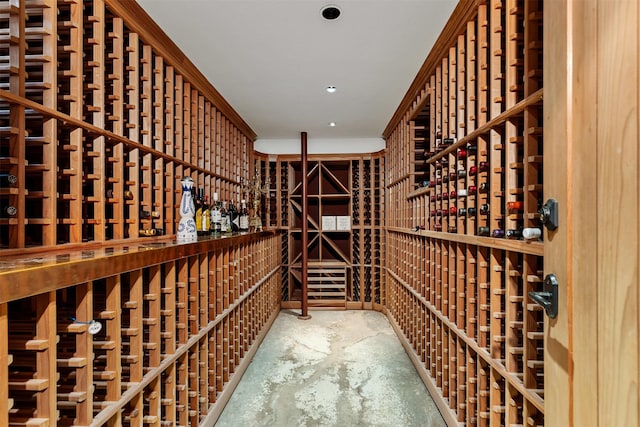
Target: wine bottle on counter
[234,218]
[198,202]
[215,215]
[224,219]
[244,216]
[206,216]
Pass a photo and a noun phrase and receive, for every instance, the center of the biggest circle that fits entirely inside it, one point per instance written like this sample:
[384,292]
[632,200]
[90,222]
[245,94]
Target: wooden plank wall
[592,103]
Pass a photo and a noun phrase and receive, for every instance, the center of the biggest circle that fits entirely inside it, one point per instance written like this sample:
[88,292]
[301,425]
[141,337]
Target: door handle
[548,297]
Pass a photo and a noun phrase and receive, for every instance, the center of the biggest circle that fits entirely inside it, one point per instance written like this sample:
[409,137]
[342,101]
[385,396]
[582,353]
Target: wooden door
[591,100]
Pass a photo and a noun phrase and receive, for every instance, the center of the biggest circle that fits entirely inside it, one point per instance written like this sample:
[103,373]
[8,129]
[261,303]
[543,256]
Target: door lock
[548,297]
[549,214]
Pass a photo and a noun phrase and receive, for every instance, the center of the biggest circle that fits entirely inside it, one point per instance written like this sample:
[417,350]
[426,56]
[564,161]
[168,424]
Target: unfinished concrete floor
[339,368]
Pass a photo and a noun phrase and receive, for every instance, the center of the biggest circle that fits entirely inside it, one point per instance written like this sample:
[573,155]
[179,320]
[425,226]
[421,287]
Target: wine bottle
[484,208]
[483,231]
[234,218]
[244,216]
[149,214]
[215,215]
[148,232]
[515,206]
[224,219]
[531,233]
[8,179]
[206,216]
[199,202]
[514,234]
[9,210]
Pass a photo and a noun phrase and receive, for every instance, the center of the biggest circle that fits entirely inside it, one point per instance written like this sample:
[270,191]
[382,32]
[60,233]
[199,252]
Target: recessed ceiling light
[330,12]
[332,124]
[331,89]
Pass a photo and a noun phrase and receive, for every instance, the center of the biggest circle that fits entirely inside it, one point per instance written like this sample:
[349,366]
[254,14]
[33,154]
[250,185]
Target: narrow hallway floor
[339,368]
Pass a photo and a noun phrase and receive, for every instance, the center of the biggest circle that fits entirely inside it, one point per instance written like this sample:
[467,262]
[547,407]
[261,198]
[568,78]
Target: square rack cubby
[463,249]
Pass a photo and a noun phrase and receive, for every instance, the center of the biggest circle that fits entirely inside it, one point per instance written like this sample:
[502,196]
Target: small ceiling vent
[330,12]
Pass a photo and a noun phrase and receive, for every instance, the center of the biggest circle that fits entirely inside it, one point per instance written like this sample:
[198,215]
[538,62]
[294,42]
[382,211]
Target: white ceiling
[272,59]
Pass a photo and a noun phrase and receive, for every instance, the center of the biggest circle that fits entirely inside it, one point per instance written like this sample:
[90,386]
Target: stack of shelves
[176,334]
[345,188]
[113,119]
[458,269]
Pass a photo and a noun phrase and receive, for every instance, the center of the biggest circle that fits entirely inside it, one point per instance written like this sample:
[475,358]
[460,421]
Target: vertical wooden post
[304,315]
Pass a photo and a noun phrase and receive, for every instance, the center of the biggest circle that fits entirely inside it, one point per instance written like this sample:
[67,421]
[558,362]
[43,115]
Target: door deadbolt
[549,214]
[548,297]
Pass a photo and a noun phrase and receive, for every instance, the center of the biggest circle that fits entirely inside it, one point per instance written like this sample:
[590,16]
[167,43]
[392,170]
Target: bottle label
[244,222]
[205,221]
[215,216]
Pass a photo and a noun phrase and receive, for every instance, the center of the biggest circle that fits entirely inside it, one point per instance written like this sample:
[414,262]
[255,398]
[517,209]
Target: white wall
[320,146]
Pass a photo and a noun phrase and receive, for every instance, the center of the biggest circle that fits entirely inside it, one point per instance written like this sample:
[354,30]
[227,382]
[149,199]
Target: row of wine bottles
[219,217]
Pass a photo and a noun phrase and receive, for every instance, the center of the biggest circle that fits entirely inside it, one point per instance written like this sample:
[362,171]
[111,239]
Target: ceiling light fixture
[330,12]
[332,124]
[331,89]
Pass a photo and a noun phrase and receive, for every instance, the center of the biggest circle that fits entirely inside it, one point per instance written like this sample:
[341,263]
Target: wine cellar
[487,231]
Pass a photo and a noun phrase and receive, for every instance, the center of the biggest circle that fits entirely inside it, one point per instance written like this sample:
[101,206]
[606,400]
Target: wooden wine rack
[180,324]
[339,185]
[464,166]
[100,117]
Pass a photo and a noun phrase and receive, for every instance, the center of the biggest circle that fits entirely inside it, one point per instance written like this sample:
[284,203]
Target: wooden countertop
[34,274]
